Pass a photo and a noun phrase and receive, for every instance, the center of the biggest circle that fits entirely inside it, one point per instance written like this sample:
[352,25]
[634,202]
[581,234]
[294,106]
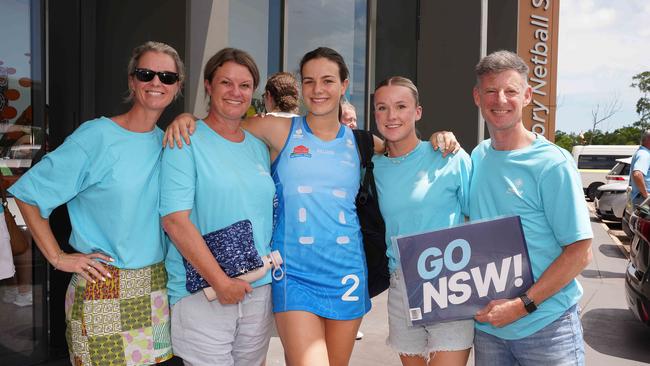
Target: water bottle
[272,261]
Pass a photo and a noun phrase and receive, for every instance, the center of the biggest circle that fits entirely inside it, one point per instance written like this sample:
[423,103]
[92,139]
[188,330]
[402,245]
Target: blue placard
[452,273]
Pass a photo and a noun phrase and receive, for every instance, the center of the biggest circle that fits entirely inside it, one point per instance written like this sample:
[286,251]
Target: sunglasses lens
[144,75]
[168,78]
[165,77]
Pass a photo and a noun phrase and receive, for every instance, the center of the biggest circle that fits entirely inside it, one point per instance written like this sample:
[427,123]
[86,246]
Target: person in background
[519,173]
[107,173]
[348,115]
[281,97]
[221,178]
[7,268]
[640,171]
[405,204]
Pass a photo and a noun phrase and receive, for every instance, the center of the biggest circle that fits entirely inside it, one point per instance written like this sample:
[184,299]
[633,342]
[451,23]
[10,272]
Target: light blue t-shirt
[221,182]
[640,162]
[110,179]
[541,184]
[421,192]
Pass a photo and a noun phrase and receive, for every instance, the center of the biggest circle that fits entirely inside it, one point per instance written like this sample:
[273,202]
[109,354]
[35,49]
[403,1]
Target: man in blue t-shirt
[518,172]
[640,167]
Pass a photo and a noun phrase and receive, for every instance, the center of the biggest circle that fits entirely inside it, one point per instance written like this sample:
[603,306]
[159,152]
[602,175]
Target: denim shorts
[422,340]
[559,343]
[209,333]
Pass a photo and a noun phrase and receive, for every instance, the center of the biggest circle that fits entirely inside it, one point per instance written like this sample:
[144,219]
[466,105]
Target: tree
[602,112]
[642,82]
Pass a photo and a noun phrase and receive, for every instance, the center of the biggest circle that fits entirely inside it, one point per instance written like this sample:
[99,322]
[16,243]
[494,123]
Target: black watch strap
[528,303]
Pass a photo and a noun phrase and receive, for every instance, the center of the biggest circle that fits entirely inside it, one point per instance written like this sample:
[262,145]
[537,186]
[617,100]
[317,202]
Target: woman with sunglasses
[107,173]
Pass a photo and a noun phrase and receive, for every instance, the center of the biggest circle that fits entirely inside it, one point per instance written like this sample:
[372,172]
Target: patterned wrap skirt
[123,321]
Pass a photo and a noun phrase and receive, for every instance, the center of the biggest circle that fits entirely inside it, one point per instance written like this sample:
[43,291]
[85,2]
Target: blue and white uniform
[317,231]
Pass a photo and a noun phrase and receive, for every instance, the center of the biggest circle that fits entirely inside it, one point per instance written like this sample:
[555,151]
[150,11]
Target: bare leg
[303,338]
[449,358]
[412,360]
[340,336]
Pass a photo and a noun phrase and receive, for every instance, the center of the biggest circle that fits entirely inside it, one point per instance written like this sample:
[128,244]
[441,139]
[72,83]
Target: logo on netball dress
[300,151]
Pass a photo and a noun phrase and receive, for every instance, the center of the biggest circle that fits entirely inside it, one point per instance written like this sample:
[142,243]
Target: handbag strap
[366,147]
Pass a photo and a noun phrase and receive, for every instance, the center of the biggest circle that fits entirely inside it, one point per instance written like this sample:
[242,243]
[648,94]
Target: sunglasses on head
[165,77]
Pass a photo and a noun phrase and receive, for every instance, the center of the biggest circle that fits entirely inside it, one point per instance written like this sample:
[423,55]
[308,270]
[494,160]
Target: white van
[595,161]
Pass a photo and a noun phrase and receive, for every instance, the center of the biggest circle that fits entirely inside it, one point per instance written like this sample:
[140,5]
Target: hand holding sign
[452,273]
[501,312]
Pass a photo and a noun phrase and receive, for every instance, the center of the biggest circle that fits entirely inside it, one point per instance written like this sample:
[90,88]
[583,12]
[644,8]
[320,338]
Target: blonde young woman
[419,190]
[107,173]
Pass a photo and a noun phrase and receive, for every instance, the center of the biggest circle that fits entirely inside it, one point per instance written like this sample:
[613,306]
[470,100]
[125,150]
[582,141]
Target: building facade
[63,62]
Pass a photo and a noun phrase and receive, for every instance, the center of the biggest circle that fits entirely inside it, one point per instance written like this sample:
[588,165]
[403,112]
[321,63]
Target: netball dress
[317,230]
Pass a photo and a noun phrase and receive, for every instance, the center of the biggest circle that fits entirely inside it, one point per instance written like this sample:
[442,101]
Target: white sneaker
[10,294]
[25,299]
[359,336]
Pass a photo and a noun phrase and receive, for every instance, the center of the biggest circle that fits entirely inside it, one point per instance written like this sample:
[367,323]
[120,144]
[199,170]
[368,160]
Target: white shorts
[209,333]
[422,340]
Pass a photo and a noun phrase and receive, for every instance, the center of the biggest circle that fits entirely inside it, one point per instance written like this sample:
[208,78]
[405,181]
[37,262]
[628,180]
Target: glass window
[338,24]
[248,30]
[22,302]
[605,162]
[250,25]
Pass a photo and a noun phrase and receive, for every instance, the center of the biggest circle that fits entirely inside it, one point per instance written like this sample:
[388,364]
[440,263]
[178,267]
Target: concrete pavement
[612,335]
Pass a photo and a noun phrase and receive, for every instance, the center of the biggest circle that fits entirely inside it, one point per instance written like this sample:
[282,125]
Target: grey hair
[346,103]
[500,61]
[152,46]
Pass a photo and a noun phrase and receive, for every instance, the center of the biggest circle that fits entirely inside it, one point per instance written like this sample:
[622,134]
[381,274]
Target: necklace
[398,159]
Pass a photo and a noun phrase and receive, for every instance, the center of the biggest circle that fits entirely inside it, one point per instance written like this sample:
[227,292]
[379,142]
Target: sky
[601,45]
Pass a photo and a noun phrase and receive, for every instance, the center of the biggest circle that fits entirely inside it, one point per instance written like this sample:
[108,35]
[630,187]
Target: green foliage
[628,135]
[642,81]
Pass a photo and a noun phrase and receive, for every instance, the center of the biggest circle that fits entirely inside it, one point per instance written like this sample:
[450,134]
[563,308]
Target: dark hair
[500,61]
[327,53]
[151,46]
[283,89]
[331,55]
[235,55]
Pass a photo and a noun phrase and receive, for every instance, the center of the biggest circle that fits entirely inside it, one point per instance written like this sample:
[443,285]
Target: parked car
[620,173]
[610,201]
[595,161]
[637,275]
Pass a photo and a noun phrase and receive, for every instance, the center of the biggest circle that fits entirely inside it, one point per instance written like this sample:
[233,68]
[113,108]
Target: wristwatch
[528,303]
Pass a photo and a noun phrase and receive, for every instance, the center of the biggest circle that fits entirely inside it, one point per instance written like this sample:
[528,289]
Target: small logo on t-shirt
[298,133]
[515,186]
[300,151]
